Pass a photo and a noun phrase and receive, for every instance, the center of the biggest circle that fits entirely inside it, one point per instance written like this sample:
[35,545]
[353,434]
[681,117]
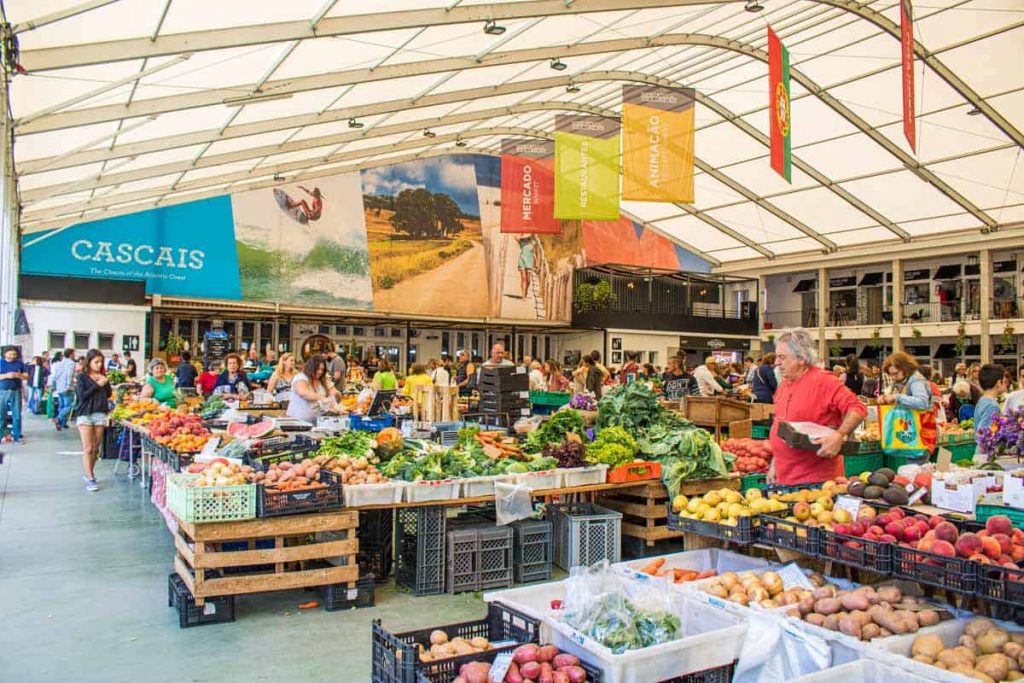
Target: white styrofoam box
[702,560]
[533,600]
[962,498]
[426,491]
[388,493]
[583,476]
[1013,490]
[538,481]
[863,671]
[711,638]
[473,487]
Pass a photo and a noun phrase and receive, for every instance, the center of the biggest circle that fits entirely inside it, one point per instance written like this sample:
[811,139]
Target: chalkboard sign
[216,346]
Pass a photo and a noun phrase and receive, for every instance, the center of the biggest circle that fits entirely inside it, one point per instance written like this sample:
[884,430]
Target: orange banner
[657,144]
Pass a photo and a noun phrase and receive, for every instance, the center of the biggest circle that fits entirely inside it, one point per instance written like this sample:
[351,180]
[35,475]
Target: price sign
[793,577]
[917,495]
[849,503]
[500,667]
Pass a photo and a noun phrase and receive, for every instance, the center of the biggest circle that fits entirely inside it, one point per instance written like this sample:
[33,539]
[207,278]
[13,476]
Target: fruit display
[253,431]
[864,613]
[752,455]
[963,429]
[530,663]
[814,507]
[868,432]
[220,472]
[180,433]
[763,590]
[725,506]
[442,648]
[882,484]
[984,652]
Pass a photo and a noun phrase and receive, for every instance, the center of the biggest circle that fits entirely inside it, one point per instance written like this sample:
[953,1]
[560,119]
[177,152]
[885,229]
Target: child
[992,379]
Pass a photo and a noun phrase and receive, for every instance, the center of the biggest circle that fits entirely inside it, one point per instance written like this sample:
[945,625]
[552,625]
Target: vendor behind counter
[810,394]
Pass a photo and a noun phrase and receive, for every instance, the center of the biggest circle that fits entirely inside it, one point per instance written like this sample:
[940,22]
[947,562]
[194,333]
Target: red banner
[528,187]
[907,42]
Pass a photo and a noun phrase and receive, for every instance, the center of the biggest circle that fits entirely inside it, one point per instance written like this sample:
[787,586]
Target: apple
[884,519]
[842,528]
[857,529]
[894,529]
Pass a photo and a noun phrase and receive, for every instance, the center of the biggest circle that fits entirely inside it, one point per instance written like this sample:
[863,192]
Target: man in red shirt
[809,394]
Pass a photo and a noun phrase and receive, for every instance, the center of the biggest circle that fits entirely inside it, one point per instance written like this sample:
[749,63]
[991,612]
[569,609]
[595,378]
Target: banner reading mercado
[587,167]
[657,143]
[528,187]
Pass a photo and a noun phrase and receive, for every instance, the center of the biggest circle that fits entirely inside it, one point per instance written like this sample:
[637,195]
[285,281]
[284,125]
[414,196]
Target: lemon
[711,515]
[753,494]
[733,497]
[712,498]
[734,510]
[760,505]
[678,503]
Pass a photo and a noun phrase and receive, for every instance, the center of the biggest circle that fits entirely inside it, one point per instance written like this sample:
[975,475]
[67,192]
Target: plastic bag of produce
[512,502]
[525,425]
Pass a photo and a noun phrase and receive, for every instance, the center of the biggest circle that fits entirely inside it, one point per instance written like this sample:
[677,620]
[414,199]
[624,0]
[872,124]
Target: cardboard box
[799,434]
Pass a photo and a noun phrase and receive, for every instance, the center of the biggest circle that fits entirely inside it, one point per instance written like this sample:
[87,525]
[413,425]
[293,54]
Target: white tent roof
[130,104]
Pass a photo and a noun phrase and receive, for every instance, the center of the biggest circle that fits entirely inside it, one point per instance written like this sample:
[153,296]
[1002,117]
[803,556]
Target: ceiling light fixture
[352,123]
[974,112]
[572,87]
[753,6]
[429,134]
[558,65]
[459,142]
[278,177]
[491,28]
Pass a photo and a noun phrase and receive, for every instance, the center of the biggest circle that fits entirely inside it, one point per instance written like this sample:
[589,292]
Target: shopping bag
[907,432]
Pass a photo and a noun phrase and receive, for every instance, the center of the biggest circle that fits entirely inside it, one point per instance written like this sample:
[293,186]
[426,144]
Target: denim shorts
[92,420]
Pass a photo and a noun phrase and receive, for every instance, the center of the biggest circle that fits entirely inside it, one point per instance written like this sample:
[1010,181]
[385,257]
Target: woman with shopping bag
[907,412]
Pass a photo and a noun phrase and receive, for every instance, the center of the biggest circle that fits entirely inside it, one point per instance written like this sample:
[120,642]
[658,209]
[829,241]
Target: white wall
[46,316]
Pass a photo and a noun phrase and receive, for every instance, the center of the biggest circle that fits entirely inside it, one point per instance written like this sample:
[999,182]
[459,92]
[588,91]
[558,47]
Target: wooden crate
[644,509]
[298,558]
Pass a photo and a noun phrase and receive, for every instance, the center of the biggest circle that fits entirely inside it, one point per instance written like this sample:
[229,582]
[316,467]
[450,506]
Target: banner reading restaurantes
[657,143]
[528,187]
[587,167]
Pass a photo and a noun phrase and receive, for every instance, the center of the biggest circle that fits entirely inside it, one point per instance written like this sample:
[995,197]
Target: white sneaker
[91,485]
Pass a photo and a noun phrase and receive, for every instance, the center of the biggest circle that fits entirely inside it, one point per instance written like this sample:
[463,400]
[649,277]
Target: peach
[991,547]
[1018,553]
[885,519]
[897,513]
[947,532]
[1017,536]
[1004,543]
[968,544]
[912,533]
[875,530]
[926,544]
[853,544]
[936,520]
[999,524]
[1010,565]
[944,548]
[894,529]
[857,529]
[978,557]
[888,538]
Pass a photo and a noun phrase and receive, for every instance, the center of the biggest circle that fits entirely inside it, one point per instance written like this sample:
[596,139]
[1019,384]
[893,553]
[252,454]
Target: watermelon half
[260,429]
[238,430]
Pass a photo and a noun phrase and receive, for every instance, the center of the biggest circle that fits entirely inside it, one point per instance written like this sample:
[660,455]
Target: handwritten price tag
[500,667]
[793,577]
[849,503]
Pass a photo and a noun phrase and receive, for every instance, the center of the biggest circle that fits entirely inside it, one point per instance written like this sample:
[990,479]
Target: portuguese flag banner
[657,143]
[907,51]
[528,187]
[779,110]
[587,167]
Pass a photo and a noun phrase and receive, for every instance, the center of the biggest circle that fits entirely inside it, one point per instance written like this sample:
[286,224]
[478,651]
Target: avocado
[887,472]
[896,495]
[872,492]
[855,488]
[878,479]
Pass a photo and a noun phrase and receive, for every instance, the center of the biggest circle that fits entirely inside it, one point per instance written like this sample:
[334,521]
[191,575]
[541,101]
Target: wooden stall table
[199,551]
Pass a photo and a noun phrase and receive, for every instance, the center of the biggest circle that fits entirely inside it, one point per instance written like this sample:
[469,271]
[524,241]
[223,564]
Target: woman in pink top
[810,394]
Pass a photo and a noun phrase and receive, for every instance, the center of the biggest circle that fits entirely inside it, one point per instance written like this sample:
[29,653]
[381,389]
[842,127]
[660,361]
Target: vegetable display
[568,454]
[352,443]
[613,447]
[752,455]
[286,476]
[675,574]
[685,451]
[620,625]
[583,402]
[530,663]
[555,430]
[984,652]
[471,460]
[631,406]
[116,377]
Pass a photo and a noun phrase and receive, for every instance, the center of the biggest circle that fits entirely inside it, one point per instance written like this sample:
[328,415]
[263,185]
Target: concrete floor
[83,590]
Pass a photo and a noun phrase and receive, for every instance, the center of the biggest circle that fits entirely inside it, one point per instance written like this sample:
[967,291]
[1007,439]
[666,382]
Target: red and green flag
[779,109]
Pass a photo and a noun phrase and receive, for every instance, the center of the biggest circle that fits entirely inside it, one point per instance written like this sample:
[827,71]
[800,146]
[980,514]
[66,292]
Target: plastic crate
[982,512]
[540,481]
[634,471]
[209,503]
[584,533]
[420,543]
[864,671]
[376,526]
[273,450]
[388,493]
[270,503]
[1000,584]
[339,596]
[952,573]
[370,424]
[778,532]
[394,656]
[219,610]
[754,481]
[375,559]
[874,556]
[760,431]
[550,398]
[744,533]
[583,476]
[428,491]
[862,462]
[479,558]
[531,550]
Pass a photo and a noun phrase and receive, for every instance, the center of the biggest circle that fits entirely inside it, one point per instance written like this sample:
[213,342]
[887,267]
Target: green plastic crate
[754,481]
[863,462]
[549,398]
[963,450]
[982,512]
[209,503]
[760,431]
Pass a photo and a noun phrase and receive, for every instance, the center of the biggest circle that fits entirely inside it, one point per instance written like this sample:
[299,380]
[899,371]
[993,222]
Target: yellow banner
[657,144]
[587,167]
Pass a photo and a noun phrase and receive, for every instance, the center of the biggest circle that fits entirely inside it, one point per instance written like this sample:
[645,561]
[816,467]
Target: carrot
[653,566]
[312,604]
[708,574]
[684,575]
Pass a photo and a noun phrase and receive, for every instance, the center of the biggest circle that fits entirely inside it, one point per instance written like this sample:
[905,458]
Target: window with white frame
[81,341]
[105,341]
[56,340]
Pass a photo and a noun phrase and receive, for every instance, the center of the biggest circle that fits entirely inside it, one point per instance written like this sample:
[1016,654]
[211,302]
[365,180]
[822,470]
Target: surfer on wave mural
[298,209]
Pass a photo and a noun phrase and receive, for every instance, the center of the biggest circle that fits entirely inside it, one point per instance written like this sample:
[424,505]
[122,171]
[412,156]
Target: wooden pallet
[644,509]
[297,560]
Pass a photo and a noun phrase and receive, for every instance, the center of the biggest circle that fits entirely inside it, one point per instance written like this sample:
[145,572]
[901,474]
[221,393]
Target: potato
[1013,651]
[909,620]
[870,631]
[854,601]
[480,643]
[890,594]
[758,594]
[968,642]
[1015,676]
[927,617]
[793,612]
[832,622]
[806,604]
[815,618]
[887,619]
[824,592]
[975,627]
[956,656]
[850,624]
[827,606]
[992,640]
[922,658]
[939,665]
[995,666]
[929,645]
[1017,637]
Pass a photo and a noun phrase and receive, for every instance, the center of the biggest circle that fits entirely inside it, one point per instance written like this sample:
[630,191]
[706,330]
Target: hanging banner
[528,187]
[907,44]
[657,143]
[587,165]
[780,121]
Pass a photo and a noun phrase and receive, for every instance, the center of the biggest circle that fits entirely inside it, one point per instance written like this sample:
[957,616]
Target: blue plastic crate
[370,424]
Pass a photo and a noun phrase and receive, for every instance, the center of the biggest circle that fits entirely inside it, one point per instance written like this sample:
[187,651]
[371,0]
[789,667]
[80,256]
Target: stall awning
[919,350]
[948,272]
[945,351]
[869,353]
[974,350]
[871,279]
[972,269]
[1004,266]
[805,286]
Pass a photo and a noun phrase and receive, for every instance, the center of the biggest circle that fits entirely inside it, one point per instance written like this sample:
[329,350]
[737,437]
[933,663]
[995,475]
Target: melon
[238,430]
[260,429]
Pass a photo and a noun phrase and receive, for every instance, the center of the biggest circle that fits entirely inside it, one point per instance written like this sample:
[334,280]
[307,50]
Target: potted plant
[876,339]
[173,348]
[916,333]
[962,340]
[595,296]
[834,348]
[1007,337]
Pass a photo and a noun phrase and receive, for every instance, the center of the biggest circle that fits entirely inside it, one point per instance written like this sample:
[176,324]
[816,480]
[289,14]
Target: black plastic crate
[420,544]
[952,573]
[744,533]
[395,656]
[719,674]
[1000,584]
[271,503]
[594,675]
[532,551]
[375,559]
[281,451]
[637,548]
[376,526]
[219,610]
[874,556]
[778,532]
[340,596]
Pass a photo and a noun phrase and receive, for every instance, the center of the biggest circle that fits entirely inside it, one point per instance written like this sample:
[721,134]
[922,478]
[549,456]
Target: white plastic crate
[869,671]
[702,560]
[427,491]
[388,493]
[583,476]
[540,481]
[533,601]
[474,487]
[710,639]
